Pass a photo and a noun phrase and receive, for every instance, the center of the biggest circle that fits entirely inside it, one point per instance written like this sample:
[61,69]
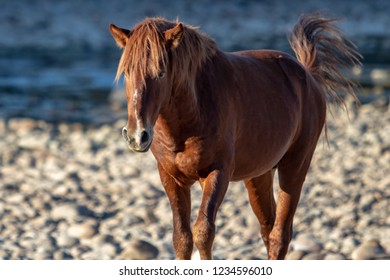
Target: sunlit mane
[145,52]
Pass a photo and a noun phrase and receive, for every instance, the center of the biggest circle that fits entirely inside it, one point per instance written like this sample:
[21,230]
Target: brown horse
[215,117]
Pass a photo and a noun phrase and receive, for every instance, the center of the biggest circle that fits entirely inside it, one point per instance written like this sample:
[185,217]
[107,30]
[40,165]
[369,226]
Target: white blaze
[137,117]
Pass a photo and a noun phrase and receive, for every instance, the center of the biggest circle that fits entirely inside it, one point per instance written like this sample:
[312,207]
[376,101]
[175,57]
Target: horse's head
[145,64]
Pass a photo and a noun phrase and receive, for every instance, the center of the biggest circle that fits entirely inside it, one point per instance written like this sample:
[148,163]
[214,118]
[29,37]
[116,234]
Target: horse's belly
[257,155]
[254,167]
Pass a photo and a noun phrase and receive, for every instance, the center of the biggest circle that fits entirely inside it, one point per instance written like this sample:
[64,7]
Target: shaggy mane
[145,53]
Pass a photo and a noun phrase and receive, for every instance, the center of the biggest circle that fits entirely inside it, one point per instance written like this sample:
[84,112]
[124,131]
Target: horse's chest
[188,162]
[185,165]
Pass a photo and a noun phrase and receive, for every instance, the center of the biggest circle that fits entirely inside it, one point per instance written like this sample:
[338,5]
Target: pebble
[367,202]
[314,256]
[109,250]
[348,245]
[4,255]
[59,255]
[15,198]
[306,243]
[64,240]
[368,250]
[295,255]
[139,250]
[83,230]
[334,256]
[66,211]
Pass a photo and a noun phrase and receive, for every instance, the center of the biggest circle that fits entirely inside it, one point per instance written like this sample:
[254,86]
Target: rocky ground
[74,192]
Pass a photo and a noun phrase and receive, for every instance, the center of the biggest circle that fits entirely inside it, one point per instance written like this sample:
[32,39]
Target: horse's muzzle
[141,142]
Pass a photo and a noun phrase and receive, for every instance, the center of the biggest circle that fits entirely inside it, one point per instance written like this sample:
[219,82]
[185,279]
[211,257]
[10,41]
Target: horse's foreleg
[261,198]
[180,200]
[292,173]
[214,189]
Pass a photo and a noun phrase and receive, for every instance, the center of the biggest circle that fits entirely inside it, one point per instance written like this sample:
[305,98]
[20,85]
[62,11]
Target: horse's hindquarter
[269,109]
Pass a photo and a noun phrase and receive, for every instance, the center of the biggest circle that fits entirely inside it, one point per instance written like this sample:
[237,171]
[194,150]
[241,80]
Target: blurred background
[71,189]
[58,59]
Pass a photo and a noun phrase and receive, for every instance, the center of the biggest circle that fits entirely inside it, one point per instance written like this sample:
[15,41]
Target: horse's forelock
[145,52]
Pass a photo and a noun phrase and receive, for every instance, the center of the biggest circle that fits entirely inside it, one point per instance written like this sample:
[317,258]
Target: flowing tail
[324,50]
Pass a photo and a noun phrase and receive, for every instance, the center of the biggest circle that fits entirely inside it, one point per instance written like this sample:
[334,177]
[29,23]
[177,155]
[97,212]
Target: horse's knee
[203,234]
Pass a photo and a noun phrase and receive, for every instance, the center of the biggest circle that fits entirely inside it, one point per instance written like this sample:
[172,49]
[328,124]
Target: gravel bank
[74,192]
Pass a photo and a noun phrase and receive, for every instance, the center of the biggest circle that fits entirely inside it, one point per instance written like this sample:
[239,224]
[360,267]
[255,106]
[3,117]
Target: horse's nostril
[144,137]
[124,134]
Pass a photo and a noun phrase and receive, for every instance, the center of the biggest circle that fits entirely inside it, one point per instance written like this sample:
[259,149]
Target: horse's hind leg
[292,171]
[261,198]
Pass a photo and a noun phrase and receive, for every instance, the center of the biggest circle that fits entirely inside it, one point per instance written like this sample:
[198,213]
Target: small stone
[314,256]
[64,240]
[132,171]
[84,230]
[58,255]
[38,222]
[4,255]
[20,124]
[368,250]
[61,190]
[295,255]
[349,244]
[91,255]
[15,198]
[108,250]
[66,211]
[347,220]
[30,142]
[332,245]
[382,257]
[334,256]
[27,189]
[139,250]
[56,175]
[386,245]
[78,251]
[367,201]
[43,254]
[28,244]
[306,243]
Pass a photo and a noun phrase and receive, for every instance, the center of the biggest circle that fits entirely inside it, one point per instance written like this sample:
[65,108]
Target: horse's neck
[182,110]
[195,102]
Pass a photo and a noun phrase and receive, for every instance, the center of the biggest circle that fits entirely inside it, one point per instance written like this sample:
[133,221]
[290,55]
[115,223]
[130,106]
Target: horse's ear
[174,35]
[120,35]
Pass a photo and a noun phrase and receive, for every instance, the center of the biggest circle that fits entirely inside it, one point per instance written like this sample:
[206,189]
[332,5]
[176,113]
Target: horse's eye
[161,74]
